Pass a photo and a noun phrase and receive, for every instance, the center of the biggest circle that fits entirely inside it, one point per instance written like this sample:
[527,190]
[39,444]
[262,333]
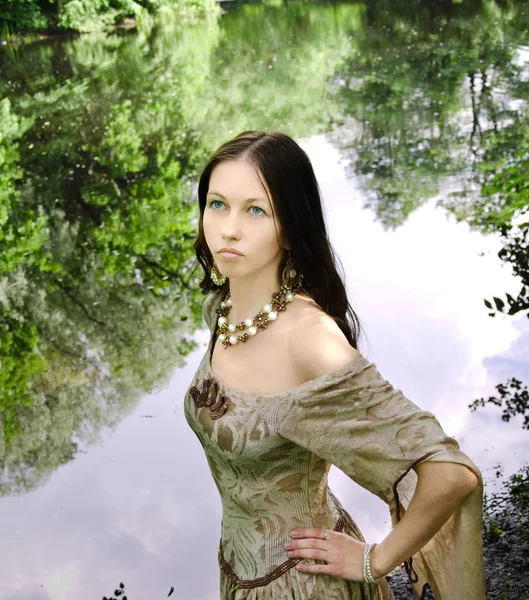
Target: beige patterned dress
[270,454]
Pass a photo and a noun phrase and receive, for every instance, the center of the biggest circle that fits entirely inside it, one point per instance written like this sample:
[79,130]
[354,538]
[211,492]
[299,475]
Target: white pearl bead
[228,302]
[290,297]
[233,340]
[267,308]
[272,316]
[222,321]
[232,328]
[222,337]
[248,322]
[252,330]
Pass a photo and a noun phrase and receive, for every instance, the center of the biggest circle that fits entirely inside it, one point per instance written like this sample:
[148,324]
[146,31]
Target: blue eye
[255,214]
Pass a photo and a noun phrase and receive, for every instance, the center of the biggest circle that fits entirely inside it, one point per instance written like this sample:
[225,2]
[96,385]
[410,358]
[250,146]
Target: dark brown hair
[296,199]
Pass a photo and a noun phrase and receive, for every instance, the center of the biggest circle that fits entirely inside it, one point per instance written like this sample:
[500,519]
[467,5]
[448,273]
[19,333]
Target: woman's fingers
[308,552]
[307,543]
[341,554]
[317,569]
[310,532]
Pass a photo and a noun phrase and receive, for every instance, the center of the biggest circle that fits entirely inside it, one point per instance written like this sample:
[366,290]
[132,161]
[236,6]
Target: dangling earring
[290,277]
[216,276]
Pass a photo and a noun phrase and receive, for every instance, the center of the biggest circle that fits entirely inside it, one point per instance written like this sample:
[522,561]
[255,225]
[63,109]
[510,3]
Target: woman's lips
[229,255]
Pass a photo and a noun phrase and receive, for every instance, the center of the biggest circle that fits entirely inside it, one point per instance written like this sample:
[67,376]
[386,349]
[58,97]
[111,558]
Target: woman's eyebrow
[211,193]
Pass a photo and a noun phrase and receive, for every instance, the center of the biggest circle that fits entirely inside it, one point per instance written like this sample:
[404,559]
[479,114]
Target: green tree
[513,398]
[25,16]
[20,16]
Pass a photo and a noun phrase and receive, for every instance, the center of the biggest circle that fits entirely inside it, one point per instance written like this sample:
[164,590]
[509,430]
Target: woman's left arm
[357,420]
[441,488]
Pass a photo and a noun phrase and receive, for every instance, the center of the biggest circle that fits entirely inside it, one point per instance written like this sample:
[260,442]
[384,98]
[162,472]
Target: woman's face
[239,215]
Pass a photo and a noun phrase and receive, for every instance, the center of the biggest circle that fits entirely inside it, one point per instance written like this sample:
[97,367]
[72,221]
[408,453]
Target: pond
[415,117]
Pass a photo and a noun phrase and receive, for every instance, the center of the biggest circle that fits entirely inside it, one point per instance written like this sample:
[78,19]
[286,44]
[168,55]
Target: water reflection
[101,139]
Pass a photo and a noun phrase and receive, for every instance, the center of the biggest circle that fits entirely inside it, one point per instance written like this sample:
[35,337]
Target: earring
[216,276]
[290,276]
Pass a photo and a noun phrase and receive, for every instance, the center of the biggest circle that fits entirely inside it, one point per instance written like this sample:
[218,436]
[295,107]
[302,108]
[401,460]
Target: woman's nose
[231,226]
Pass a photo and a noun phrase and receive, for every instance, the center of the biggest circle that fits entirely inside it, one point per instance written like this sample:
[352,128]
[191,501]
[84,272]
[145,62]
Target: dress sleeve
[356,420]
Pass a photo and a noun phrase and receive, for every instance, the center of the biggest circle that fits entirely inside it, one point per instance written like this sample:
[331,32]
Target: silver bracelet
[367,565]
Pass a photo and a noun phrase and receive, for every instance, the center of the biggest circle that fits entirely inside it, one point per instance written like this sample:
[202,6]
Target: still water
[406,111]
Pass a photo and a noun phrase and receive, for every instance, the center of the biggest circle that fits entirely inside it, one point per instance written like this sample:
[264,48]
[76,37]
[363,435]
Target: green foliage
[513,398]
[506,200]
[507,190]
[516,253]
[19,364]
[505,526]
[11,128]
[22,235]
[506,511]
[22,230]
[513,494]
[20,16]
[95,15]
[491,532]
[24,16]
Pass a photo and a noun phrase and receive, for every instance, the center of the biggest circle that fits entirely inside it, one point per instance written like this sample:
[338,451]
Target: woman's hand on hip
[343,555]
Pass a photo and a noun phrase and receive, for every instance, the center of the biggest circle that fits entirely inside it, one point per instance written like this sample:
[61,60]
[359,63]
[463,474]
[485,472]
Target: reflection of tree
[105,185]
[274,68]
[20,242]
[89,317]
[439,95]
[95,369]
[503,207]
[420,84]
[109,133]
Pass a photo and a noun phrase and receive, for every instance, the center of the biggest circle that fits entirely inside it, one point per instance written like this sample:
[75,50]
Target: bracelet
[367,564]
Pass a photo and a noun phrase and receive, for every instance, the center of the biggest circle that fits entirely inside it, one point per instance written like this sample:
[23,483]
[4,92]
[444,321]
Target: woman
[282,393]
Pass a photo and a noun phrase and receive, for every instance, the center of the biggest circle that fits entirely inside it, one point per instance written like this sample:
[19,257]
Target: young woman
[282,393]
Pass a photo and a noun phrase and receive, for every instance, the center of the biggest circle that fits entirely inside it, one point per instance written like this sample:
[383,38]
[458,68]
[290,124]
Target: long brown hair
[296,198]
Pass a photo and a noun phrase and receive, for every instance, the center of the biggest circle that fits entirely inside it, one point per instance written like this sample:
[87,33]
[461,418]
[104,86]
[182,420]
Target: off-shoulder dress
[270,455]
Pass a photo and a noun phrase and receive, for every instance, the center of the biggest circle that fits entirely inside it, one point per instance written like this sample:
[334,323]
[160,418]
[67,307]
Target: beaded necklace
[268,314]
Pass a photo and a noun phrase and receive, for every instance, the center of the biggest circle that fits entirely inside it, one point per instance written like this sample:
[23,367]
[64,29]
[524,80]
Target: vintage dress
[270,454]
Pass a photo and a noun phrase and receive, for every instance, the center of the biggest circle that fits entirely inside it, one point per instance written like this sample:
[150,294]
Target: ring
[325,536]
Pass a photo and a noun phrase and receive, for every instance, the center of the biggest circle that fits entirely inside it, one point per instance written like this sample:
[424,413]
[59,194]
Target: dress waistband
[278,571]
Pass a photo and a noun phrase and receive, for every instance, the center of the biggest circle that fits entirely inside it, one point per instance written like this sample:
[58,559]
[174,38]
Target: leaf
[499,303]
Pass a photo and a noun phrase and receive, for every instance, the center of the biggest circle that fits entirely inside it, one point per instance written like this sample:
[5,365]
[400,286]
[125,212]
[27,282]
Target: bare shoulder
[317,344]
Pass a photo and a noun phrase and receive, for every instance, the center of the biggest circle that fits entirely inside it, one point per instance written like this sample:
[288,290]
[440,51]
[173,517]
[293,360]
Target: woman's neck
[248,298]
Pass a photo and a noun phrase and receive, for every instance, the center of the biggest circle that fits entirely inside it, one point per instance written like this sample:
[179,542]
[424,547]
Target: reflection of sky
[142,507]
[522,60]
